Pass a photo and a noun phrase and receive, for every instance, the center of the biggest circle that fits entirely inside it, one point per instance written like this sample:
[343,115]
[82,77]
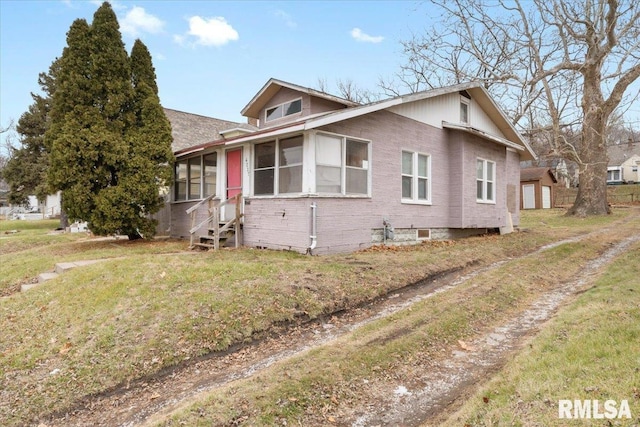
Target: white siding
[433,111]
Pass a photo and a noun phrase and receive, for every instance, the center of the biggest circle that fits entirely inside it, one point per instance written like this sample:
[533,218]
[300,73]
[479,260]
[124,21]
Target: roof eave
[273,85]
[484,135]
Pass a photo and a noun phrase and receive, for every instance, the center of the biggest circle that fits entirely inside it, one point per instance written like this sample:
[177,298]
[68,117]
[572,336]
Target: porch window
[264,168]
[290,165]
[416,177]
[283,110]
[342,165]
[485,181]
[357,167]
[210,165]
[328,164]
[283,156]
[180,185]
[196,177]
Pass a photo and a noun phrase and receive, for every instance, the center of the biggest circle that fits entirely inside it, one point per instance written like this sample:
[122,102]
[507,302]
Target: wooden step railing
[216,225]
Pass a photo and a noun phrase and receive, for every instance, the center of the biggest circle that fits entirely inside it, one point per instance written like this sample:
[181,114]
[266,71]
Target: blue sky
[212,57]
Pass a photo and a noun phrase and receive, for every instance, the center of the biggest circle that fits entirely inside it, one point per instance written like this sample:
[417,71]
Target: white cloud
[209,31]
[288,19]
[357,34]
[137,20]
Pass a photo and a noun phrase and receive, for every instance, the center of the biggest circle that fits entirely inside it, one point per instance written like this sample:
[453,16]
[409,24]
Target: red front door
[234,180]
[234,172]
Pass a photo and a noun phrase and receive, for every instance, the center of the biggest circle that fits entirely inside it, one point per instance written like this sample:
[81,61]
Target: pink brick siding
[346,223]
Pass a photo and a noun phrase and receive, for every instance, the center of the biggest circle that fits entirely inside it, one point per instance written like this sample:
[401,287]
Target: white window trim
[485,200]
[266,110]
[415,178]
[343,167]
[200,156]
[276,172]
[613,170]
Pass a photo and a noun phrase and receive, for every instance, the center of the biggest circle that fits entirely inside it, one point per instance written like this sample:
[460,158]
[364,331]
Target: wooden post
[193,224]
[216,227]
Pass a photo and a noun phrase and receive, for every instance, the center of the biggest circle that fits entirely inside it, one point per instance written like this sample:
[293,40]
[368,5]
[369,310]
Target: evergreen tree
[149,165]
[109,146]
[71,150]
[26,169]
[27,164]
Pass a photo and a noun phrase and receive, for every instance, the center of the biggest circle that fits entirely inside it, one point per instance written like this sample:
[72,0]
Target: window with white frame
[278,165]
[485,181]
[180,183]
[416,177]
[283,110]
[464,110]
[209,174]
[613,175]
[290,165]
[264,166]
[342,165]
[195,177]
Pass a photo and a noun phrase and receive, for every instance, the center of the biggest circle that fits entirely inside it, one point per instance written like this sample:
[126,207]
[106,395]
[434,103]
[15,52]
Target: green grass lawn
[320,385]
[591,350]
[153,304]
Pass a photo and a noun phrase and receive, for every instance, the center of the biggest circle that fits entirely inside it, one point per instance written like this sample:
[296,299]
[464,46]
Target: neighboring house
[537,188]
[52,206]
[624,163]
[321,174]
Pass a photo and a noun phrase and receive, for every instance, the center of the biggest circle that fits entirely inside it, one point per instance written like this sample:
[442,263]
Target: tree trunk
[592,192]
[592,179]
[64,219]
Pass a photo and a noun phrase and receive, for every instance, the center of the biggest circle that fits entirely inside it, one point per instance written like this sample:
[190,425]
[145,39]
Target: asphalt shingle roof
[189,129]
[533,174]
[619,153]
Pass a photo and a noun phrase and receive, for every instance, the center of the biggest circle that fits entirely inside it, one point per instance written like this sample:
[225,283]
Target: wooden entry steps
[226,235]
[219,231]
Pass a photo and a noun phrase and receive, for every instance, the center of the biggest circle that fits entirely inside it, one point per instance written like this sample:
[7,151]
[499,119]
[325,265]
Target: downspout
[314,221]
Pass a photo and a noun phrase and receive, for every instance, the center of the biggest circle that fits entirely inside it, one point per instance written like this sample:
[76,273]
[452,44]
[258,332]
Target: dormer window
[283,110]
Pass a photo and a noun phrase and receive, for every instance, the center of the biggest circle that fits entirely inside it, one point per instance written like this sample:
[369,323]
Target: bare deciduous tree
[348,90]
[560,66]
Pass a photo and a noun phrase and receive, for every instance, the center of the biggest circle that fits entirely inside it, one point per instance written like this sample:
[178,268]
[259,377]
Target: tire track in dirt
[150,400]
[450,380]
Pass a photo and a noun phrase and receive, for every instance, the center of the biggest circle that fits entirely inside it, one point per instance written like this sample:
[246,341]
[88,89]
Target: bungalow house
[537,188]
[624,163]
[321,174]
